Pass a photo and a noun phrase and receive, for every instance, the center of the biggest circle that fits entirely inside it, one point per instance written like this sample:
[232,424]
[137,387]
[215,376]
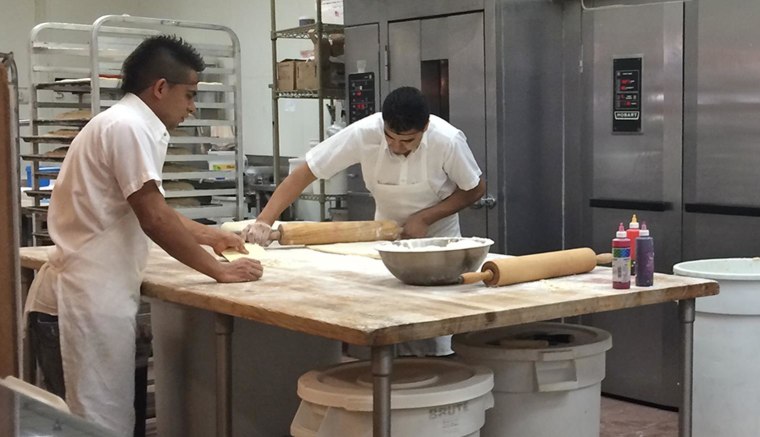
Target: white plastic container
[429,398]
[337,184]
[547,377]
[726,328]
[221,160]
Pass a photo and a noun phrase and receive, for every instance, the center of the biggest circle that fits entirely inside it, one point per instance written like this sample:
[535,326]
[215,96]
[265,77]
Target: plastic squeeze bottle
[633,233]
[621,259]
[644,258]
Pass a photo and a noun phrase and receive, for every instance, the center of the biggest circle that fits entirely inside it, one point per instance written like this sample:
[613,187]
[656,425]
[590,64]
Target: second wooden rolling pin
[506,271]
[335,232]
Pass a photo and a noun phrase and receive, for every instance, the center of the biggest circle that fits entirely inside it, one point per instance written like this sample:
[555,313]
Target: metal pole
[686,314]
[275,101]
[223,375]
[382,367]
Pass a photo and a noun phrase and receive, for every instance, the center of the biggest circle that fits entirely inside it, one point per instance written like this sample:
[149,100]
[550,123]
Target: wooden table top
[355,299]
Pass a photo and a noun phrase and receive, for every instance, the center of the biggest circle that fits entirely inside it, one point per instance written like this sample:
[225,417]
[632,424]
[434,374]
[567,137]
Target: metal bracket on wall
[387,63]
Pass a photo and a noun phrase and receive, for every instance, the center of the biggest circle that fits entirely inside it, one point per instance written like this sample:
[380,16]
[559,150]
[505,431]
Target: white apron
[398,202]
[98,293]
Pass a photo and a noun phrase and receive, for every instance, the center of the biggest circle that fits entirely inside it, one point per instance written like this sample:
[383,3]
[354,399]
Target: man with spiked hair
[107,203]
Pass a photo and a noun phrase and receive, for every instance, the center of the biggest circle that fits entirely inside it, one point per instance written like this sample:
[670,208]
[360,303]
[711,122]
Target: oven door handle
[635,205]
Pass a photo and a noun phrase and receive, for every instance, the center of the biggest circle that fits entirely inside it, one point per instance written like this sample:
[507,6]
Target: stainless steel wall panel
[633,166]
[404,54]
[720,236]
[576,183]
[726,153]
[367,11]
[530,120]
[643,170]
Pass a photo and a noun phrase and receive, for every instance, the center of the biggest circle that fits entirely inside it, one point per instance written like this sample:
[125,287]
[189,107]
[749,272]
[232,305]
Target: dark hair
[406,109]
[161,56]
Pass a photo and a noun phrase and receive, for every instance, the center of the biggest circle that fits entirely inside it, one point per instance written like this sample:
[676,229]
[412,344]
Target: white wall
[249,19]
[14,37]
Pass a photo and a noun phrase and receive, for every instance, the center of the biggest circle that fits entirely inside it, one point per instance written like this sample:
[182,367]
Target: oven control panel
[626,105]
[361,96]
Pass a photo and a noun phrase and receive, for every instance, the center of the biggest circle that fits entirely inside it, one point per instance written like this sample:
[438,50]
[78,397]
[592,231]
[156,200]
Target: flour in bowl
[433,244]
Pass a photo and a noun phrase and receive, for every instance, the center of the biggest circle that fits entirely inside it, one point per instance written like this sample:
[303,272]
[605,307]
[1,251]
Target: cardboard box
[333,75]
[286,74]
[306,75]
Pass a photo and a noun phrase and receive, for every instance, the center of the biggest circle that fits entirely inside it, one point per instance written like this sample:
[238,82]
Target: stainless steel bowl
[433,261]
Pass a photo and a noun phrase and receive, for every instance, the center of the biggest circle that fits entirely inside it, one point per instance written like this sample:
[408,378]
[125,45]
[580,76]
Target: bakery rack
[76,68]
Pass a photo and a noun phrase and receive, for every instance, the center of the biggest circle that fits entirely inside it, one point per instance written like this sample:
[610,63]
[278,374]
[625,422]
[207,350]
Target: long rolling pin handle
[473,277]
[603,258]
[275,236]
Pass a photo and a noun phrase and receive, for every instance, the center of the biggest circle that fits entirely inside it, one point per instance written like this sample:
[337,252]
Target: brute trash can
[429,398]
[547,377]
[726,394]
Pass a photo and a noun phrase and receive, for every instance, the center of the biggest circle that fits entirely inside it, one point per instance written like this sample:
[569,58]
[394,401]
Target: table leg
[223,375]
[382,367]
[686,314]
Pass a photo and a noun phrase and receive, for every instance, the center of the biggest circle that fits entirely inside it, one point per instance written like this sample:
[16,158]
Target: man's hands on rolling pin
[415,227]
[258,232]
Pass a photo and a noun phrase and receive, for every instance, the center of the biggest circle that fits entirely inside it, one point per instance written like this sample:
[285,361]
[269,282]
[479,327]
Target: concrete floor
[625,419]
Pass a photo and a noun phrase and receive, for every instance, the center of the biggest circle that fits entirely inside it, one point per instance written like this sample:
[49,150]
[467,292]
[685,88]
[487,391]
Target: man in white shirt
[418,167]
[106,204]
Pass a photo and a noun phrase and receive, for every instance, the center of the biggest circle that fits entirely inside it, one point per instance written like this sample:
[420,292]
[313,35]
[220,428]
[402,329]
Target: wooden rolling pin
[528,268]
[336,232]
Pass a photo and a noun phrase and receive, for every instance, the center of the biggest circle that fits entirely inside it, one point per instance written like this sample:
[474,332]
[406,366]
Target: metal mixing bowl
[433,261]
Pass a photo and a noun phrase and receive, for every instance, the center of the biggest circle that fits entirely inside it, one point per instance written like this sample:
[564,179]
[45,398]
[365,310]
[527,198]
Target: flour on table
[365,248]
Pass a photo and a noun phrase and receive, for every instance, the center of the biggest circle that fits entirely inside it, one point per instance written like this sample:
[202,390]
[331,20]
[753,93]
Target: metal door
[445,57]
[633,91]
[721,160]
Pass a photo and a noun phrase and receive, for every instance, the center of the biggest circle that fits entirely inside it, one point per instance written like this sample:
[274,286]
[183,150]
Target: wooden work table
[355,299]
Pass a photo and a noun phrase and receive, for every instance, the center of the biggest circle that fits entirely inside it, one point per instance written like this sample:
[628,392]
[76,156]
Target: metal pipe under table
[382,367]
[223,375]
[686,314]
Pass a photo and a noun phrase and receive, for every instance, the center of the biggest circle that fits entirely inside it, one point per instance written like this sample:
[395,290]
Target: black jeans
[44,338]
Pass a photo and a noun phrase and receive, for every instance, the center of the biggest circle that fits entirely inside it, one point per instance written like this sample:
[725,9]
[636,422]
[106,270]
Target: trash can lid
[739,269]
[544,341]
[415,383]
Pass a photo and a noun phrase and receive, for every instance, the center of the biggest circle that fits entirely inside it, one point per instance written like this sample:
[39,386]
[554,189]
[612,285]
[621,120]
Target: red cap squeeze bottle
[633,233]
[621,259]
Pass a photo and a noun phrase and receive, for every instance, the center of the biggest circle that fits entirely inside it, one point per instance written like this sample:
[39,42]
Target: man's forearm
[201,233]
[457,201]
[170,233]
[286,193]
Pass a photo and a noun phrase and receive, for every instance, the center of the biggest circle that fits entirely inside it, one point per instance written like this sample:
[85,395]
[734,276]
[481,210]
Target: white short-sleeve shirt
[449,158]
[113,156]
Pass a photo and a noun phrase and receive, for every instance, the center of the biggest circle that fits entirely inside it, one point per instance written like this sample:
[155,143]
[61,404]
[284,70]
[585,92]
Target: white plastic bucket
[726,328]
[336,185]
[547,377]
[429,398]
[221,160]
